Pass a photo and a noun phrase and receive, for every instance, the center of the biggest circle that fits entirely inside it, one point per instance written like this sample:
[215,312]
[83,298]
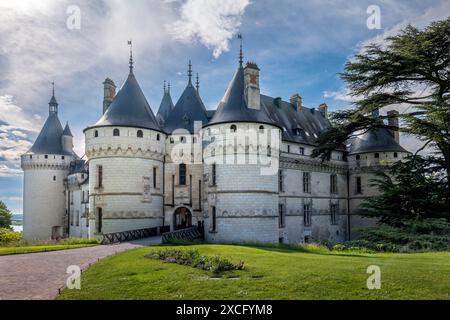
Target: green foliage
[194,259]
[7,236]
[413,235]
[409,189]
[5,216]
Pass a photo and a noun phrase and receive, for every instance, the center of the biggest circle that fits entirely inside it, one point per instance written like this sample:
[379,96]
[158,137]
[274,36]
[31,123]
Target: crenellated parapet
[124,142]
[45,162]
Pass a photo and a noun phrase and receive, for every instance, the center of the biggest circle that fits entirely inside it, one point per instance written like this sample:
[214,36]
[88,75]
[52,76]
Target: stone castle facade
[244,170]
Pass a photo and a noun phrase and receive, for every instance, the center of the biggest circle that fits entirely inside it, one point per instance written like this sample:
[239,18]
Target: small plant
[194,259]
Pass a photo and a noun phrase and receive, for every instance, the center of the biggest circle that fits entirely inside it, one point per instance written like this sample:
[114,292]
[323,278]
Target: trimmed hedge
[194,259]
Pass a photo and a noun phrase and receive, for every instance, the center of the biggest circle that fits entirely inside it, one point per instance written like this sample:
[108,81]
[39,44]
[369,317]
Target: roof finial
[168,88]
[53,104]
[130,43]
[241,55]
[164,86]
[197,84]
[190,72]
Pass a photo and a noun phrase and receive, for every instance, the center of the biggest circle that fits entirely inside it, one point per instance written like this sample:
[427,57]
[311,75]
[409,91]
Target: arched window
[261,128]
[96,133]
[358,157]
[233,128]
[157,137]
[182,171]
[377,155]
[116,132]
[183,139]
[140,134]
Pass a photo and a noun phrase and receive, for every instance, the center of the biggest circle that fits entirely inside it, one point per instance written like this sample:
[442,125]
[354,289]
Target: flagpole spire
[130,43]
[164,86]
[190,72]
[241,55]
[197,84]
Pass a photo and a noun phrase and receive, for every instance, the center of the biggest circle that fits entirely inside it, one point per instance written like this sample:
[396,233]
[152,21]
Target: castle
[243,171]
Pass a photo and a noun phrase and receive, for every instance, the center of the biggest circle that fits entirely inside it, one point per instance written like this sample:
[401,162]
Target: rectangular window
[281,215]
[358,186]
[213,174]
[301,151]
[182,172]
[280,181]
[334,213]
[333,184]
[213,219]
[99,220]
[289,149]
[307,215]
[306,182]
[154,177]
[99,176]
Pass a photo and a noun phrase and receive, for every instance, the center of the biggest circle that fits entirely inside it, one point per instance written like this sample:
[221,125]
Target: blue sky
[300,46]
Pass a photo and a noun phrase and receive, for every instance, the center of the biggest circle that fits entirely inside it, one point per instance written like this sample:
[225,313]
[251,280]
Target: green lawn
[40,248]
[270,273]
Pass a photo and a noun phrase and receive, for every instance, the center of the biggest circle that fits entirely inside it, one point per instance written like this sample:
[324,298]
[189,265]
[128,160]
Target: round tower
[374,149]
[241,165]
[125,149]
[46,166]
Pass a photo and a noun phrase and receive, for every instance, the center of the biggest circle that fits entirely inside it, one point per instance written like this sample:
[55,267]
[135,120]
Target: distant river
[17,228]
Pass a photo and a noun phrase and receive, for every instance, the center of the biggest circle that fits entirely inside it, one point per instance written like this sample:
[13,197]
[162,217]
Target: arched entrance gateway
[182,218]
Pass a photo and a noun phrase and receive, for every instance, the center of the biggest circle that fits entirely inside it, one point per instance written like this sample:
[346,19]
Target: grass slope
[271,273]
[40,248]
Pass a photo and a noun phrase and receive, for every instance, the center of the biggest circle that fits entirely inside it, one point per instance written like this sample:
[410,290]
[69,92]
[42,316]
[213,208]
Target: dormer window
[116,132]
[298,131]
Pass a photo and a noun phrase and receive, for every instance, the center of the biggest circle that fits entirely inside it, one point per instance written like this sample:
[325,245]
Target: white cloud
[212,22]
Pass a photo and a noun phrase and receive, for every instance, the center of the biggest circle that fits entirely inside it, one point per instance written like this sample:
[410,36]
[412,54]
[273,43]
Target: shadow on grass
[282,248]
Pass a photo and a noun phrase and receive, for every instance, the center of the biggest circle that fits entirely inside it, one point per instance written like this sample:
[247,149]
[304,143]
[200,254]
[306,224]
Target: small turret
[67,139]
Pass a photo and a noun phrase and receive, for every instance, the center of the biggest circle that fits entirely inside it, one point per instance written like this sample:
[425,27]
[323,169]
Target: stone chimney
[296,101]
[252,90]
[393,122]
[323,108]
[109,91]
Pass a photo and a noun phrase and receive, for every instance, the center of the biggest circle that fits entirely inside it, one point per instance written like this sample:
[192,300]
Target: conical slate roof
[188,109]
[129,108]
[233,107]
[165,108]
[67,131]
[375,140]
[49,139]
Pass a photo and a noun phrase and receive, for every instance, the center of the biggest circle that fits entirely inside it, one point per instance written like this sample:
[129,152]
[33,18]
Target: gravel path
[40,275]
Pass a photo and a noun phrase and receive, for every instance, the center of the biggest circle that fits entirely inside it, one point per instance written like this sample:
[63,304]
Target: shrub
[7,236]
[410,236]
[194,259]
